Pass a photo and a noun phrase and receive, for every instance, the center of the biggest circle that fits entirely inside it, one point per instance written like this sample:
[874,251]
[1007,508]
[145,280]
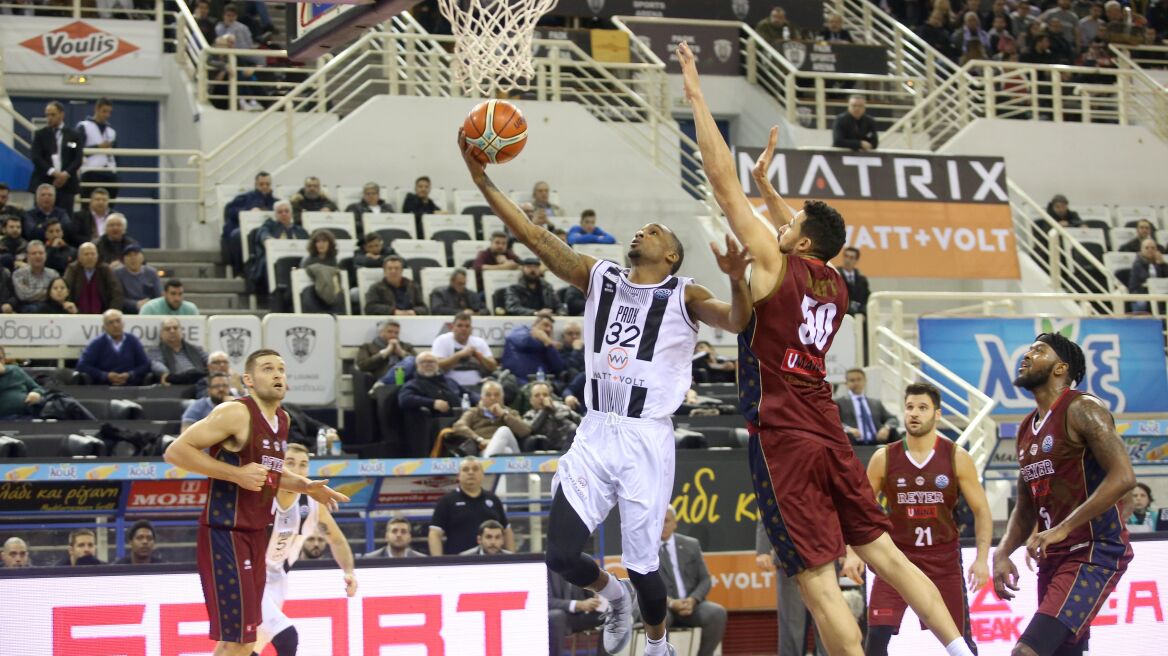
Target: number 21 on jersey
[817,322]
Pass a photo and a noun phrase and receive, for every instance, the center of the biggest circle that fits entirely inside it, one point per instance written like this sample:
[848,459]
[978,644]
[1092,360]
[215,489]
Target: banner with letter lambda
[911,216]
[1125,357]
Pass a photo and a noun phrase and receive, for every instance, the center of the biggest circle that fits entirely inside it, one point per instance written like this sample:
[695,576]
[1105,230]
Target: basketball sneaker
[618,626]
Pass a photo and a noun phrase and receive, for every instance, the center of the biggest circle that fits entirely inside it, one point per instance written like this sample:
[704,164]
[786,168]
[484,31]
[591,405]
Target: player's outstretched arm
[778,213]
[342,551]
[718,164]
[226,421]
[983,519]
[1092,423]
[704,307]
[558,257]
[1018,528]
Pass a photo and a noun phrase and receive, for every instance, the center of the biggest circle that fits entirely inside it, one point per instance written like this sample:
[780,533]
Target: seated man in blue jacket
[531,349]
[115,357]
[432,390]
[587,232]
[260,198]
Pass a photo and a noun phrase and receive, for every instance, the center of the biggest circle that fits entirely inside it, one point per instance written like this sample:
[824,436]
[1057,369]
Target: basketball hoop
[494,41]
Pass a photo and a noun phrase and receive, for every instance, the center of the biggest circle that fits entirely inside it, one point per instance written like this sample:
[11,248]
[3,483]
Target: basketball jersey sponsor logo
[1047,444]
[914,498]
[272,463]
[942,481]
[920,480]
[618,358]
[804,364]
[921,512]
[900,482]
[1036,470]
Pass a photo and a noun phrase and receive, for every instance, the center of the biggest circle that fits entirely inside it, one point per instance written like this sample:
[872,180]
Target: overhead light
[77,78]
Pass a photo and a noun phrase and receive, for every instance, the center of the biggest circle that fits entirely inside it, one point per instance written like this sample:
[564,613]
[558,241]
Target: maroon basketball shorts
[1073,586]
[231,568]
[942,564]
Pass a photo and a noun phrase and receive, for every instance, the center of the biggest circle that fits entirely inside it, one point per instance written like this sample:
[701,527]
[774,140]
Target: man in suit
[857,282]
[570,610]
[687,582]
[794,619]
[1148,264]
[56,157]
[865,419]
[854,129]
[397,541]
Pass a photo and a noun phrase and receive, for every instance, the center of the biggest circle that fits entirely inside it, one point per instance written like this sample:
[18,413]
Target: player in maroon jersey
[922,477]
[1074,469]
[811,489]
[244,458]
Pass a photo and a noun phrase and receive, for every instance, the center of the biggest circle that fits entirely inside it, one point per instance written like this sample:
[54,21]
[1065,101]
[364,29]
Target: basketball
[497,130]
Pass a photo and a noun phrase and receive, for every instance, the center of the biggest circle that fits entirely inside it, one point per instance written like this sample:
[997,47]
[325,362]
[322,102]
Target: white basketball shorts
[616,460]
[274,619]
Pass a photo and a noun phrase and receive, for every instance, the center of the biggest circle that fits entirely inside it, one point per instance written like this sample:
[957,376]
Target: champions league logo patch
[237,341]
[1047,444]
[942,481]
[303,512]
[301,341]
[662,293]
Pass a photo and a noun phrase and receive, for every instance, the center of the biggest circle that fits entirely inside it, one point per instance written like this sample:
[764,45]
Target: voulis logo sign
[79,46]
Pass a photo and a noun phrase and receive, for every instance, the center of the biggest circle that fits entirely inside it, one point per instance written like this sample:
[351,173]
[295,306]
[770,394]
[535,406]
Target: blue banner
[1125,357]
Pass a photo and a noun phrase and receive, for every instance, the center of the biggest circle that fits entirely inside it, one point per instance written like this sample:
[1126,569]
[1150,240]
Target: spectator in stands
[31,282]
[530,350]
[572,351]
[1041,53]
[56,158]
[465,358]
[999,9]
[430,389]
[970,32]
[259,198]
[489,540]
[775,28]
[587,232]
[18,391]
[1092,25]
[57,301]
[570,610]
[460,512]
[864,418]
[89,223]
[1067,20]
[139,281]
[933,32]
[1021,18]
[834,32]
[96,132]
[1059,210]
[280,226]
[218,391]
[311,198]
[303,428]
[532,294]
[793,618]
[231,25]
[395,293]
[112,245]
[202,16]
[219,362]
[15,553]
[1119,28]
[45,209]
[1144,230]
[326,294]
[496,256]
[538,216]
[687,582]
[456,297]
[6,208]
[999,34]
[541,199]
[171,302]
[1064,50]
[493,427]
[709,367]
[93,285]
[58,253]
[1149,264]
[385,351]
[314,546]
[175,361]
[857,282]
[1143,515]
[553,424]
[854,129]
[372,255]
[9,303]
[370,203]
[397,541]
[419,202]
[12,244]
[115,357]
[140,541]
[82,549]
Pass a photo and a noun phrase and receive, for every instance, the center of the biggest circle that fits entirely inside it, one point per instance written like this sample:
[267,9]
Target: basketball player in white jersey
[297,517]
[640,330]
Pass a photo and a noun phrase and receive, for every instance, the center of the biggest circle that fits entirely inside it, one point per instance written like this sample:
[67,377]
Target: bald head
[87,255]
[14,553]
[111,322]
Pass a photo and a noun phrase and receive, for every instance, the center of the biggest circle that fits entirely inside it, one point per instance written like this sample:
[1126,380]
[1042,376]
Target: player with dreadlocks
[1074,470]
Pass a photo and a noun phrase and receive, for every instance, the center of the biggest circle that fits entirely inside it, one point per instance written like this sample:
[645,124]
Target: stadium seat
[419,253]
[489,224]
[12,447]
[438,277]
[521,251]
[390,226]
[80,446]
[1096,212]
[300,281]
[250,222]
[497,281]
[280,280]
[465,251]
[1121,236]
[448,228]
[287,191]
[612,252]
[1128,213]
[1089,236]
[366,278]
[1105,227]
[1119,263]
[347,195]
[470,201]
[342,224]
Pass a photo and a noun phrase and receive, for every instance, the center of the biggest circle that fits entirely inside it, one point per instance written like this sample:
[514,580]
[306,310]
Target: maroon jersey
[228,505]
[1061,475]
[921,497]
[781,371]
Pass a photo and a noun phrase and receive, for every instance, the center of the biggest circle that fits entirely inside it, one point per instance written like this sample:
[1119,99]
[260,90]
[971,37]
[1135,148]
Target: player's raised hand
[979,573]
[689,71]
[251,476]
[1038,543]
[473,165]
[1005,578]
[734,262]
[323,494]
[763,163]
[350,584]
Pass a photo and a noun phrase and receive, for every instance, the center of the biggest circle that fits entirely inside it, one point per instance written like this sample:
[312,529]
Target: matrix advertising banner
[911,216]
[1131,621]
[491,609]
[128,48]
[1125,357]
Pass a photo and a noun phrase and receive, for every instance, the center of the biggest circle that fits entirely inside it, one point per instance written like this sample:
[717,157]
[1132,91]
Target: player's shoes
[672,650]
[618,626]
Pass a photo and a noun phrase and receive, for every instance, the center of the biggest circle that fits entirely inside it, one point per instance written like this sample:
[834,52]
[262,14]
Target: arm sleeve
[839,137]
[513,302]
[441,517]
[30,385]
[41,160]
[141,362]
[87,364]
[376,301]
[415,292]
[502,511]
[408,398]
[872,133]
[762,544]
[702,589]
[72,166]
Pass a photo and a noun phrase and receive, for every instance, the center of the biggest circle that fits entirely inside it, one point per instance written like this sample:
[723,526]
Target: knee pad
[651,596]
[577,569]
[286,642]
[878,639]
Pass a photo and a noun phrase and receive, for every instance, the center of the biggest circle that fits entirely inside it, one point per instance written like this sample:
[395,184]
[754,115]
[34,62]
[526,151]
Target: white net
[493,49]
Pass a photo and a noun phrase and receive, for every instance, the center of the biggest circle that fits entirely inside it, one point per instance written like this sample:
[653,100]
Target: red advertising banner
[168,495]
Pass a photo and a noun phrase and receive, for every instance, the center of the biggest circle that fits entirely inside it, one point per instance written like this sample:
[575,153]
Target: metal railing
[1144,56]
[124,10]
[180,178]
[10,119]
[965,409]
[910,55]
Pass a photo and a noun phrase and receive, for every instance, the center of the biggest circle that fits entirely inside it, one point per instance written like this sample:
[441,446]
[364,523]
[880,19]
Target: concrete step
[257,312]
[213,285]
[190,270]
[212,302]
[176,255]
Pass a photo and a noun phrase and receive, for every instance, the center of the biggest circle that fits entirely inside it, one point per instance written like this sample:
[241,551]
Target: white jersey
[94,136]
[639,342]
[289,529]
